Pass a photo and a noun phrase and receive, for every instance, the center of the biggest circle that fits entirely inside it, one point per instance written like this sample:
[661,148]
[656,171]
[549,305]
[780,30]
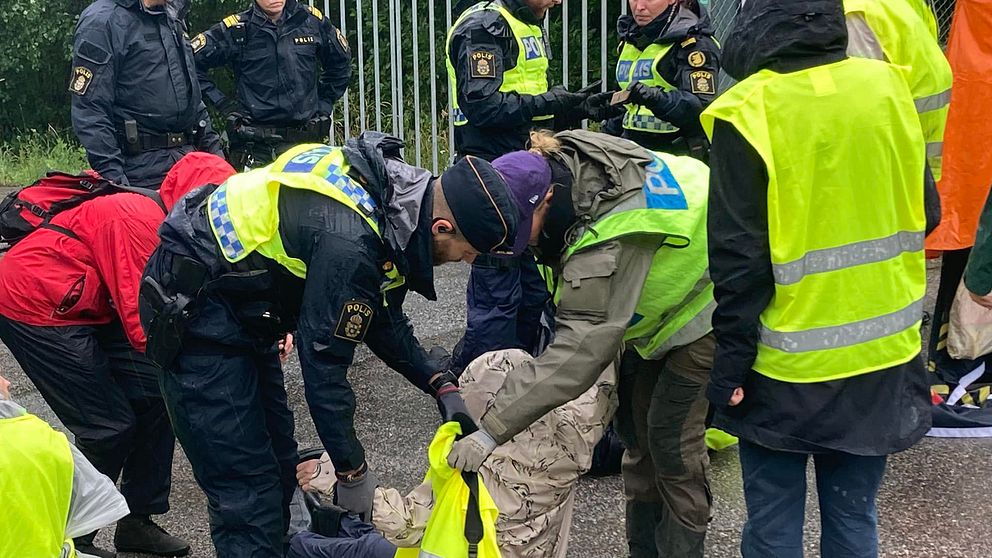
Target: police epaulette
[232,20]
[316,13]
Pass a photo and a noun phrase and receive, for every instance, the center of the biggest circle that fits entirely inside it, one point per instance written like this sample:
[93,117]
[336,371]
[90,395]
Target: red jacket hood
[192,171]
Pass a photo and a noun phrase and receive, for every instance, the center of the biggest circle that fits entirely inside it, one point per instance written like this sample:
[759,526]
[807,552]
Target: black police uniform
[224,390]
[136,104]
[691,65]
[498,122]
[282,100]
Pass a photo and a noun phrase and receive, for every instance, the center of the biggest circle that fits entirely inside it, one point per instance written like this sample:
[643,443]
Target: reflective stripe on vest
[905,30]
[36,490]
[642,66]
[845,222]
[244,211]
[676,302]
[530,74]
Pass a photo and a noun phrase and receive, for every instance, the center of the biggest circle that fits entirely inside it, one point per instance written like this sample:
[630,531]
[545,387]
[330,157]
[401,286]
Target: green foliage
[29,156]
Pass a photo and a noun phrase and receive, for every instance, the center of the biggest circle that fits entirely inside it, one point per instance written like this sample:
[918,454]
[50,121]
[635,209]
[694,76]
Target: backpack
[32,207]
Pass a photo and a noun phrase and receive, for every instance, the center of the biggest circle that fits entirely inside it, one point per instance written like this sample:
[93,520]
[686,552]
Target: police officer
[326,240]
[630,252]
[274,48]
[668,62]
[497,67]
[136,104]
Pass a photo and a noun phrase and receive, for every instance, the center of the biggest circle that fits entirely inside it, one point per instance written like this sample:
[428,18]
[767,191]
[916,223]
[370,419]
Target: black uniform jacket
[870,414]
[498,122]
[691,65]
[131,63]
[285,72]
[337,307]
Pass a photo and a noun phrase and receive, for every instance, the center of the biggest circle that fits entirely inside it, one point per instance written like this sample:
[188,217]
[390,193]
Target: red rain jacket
[50,279]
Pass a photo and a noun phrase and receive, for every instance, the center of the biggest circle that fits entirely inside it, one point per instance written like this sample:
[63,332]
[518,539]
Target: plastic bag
[95,501]
[969,334]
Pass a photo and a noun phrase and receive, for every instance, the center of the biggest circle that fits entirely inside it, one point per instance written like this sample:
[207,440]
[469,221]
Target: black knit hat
[483,208]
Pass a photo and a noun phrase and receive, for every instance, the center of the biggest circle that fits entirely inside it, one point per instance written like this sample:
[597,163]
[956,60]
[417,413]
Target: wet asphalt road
[936,501]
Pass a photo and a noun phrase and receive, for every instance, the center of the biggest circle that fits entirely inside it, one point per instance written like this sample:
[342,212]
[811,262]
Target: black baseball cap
[482,205]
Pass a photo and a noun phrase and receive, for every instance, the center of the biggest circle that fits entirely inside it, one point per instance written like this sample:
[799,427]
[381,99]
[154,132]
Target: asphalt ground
[936,500]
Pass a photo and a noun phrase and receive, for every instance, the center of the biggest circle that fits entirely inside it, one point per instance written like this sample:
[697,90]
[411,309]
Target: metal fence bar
[416,78]
[564,44]
[433,58]
[377,77]
[392,65]
[360,24]
[398,80]
[603,46]
[346,108]
[585,43]
[451,118]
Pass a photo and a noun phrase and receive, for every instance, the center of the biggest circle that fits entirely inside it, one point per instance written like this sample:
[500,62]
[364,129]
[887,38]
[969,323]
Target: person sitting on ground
[530,478]
[49,492]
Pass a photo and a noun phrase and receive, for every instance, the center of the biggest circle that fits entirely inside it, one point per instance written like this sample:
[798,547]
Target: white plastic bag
[95,501]
[969,331]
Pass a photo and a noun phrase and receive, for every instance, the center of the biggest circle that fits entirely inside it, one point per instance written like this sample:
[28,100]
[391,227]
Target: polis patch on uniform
[481,64]
[305,40]
[702,82]
[80,82]
[354,322]
[198,42]
[696,59]
[343,40]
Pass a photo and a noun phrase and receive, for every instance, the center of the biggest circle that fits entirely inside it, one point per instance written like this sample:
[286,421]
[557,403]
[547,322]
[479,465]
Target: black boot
[85,544]
[137,533]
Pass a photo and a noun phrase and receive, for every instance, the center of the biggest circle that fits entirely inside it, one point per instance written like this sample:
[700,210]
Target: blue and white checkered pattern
[220,217]
[352,189]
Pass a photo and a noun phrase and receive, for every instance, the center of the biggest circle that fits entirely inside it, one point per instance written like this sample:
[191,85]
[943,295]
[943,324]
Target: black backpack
[32,207]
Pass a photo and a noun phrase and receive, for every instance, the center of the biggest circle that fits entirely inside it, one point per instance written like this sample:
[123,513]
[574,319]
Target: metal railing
[400,82]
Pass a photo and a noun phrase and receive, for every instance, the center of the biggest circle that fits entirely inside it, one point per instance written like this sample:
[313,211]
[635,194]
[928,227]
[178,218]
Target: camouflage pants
[662,422]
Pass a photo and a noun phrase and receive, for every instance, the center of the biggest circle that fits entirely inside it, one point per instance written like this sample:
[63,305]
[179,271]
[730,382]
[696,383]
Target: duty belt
[148,142]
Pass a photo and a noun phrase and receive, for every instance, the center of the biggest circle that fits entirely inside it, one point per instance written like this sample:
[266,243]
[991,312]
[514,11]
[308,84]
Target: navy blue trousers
[356,539]
[506,299]
[775,494]
[106,394]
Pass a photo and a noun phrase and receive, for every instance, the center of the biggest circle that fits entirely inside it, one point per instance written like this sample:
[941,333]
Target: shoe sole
[177,554]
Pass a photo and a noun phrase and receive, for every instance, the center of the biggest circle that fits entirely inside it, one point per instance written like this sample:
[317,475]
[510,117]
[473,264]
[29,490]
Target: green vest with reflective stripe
[845,216]
[899,27]
[36,470]
[244,211]
[676,302]
[642,65]
[529,76]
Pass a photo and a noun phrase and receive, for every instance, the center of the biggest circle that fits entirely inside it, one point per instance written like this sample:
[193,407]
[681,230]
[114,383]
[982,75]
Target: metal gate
[400,82]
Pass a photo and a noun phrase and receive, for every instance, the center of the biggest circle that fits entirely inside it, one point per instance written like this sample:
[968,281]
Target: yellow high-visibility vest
[636,65]
[845,216]
[36,470]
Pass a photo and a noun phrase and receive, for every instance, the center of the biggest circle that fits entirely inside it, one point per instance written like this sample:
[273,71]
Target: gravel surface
[934,502]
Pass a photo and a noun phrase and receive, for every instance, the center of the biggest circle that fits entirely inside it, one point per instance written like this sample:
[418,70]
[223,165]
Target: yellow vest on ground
[244,211]
[529,76]
[845,216]
[908,38]
[637,65]
[444,536]
[36,470]
[676,303]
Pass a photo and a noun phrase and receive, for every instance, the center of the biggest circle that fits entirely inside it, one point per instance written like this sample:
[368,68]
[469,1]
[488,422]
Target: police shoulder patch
[688,42]
[354,322]
[232,20]
[81,78]
[198,42]
[696,59]
[702,82]
[481,64]
[316,13]
[343,40]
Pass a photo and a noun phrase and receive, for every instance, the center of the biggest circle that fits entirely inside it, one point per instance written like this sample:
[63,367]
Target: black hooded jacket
[691,65]
[854,415]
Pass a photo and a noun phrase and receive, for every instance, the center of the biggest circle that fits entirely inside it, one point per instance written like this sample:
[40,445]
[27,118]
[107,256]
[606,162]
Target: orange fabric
[967,173]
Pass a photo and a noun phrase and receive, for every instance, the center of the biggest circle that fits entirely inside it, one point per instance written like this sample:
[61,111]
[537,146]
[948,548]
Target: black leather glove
[231,109]
[559,101]
[597,107]
[450,403]
[656,99]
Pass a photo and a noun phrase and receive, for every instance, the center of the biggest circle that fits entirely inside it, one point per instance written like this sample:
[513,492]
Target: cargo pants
[661,420]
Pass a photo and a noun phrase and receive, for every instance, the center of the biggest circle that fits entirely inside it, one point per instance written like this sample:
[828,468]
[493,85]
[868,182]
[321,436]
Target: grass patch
[34,153]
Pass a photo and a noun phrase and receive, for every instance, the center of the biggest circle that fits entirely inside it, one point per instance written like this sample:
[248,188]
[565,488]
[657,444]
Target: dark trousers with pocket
[662,419]
[230,413]
[106,394]
[775,494]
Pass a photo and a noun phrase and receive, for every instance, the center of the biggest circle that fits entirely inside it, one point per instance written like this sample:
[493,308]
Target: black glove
[355,492]
[559,101]
[450,403]
[656,99]
[597,107]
